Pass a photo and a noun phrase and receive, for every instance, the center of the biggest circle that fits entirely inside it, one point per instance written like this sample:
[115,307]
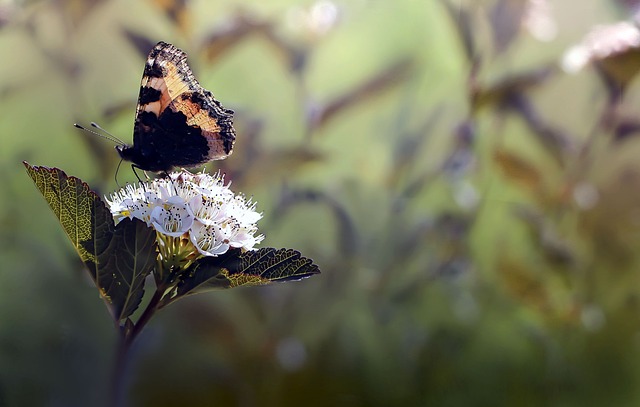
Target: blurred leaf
[461,19]
[506,18]
[519,170]
[235,269]
[556,249]
[523,284]
[499,94]
[118,258]
[177,11]
[622,67]
[141,43]
[626,129]
[619,70]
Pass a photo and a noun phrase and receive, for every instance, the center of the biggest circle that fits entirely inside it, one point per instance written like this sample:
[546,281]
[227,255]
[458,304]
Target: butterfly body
[178,122]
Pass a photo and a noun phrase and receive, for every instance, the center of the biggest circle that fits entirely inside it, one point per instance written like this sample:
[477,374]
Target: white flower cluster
[601,43]
[199,207]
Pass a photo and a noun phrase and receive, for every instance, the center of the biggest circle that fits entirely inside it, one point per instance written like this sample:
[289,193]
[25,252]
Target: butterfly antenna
[114,138]
[107,135]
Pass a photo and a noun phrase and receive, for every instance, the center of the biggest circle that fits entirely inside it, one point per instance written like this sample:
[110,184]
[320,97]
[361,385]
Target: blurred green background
[474,209]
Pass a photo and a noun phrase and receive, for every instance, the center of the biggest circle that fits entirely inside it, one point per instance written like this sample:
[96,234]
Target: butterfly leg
[115,176]
[166,174]
[133,167]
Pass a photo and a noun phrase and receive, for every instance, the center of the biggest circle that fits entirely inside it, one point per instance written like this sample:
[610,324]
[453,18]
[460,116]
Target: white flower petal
[208,239]
[207,210]
[172,219]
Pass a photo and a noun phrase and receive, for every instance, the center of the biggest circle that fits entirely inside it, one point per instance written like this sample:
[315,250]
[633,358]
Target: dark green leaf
[124,265]
[118,258]
[235,269]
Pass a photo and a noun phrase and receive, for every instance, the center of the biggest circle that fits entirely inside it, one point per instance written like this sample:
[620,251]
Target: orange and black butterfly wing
[178,123]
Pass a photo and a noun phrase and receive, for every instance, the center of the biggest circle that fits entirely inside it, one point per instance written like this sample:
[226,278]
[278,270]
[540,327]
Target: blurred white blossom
[316,20]
[539,21]
[602,42]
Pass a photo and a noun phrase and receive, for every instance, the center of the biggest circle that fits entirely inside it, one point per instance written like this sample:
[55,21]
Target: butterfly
[178,123]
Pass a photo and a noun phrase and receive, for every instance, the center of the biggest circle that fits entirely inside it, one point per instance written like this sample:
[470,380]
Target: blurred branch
[462,21]
[320,114]
[454,165]
[243,25]
[276,163]
[555,142]
[509,94]
[348,236]
[410,145]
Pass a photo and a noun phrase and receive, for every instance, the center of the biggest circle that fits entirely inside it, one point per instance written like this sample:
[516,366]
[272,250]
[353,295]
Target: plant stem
[127,334]
[152,307]
[118,374]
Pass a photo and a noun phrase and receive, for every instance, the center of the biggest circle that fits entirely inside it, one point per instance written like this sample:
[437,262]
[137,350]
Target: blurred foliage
[474,208]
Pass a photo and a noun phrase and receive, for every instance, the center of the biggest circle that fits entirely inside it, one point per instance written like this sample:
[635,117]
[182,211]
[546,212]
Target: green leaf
[124,265]
[234,269]
[81,212]
[118,258]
